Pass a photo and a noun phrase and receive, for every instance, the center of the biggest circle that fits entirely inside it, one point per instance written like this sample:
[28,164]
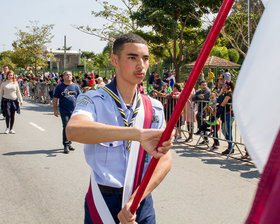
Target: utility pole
[64,62]
[249,23]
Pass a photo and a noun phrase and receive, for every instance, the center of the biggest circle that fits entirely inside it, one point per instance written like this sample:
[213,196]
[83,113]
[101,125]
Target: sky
[16,14]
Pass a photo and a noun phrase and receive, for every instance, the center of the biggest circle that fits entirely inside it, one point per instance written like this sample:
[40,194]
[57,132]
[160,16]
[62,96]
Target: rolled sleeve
[85,106]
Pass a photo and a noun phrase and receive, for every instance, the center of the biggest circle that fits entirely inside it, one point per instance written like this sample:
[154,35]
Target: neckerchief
[111,89]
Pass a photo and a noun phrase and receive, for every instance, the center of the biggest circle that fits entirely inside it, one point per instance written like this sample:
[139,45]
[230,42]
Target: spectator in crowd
[106,81]
[222,73]
[25,88]
[113,76]
[152,78]
[163,91]
[175,96]
[85,83]
[165,75]
[157,82]
[227,116]
[201,97]
[210,78]
[201,77]
[188,115]
[11,100]
[4,73]
[220,85]
[91,80]
[171,79]
[98,113]
[67,93]
[100,83]
[213,123]
[227,75]
[141,89]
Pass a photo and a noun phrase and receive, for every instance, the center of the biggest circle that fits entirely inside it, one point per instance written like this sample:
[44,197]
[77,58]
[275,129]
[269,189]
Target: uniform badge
[155,119]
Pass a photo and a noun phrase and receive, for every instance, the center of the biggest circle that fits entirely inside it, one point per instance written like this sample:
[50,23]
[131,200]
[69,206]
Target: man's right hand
[149,140]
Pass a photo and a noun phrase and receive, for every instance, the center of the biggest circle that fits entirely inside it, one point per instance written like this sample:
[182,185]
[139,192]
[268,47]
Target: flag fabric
[257,109]
[255,99]
[169,90]
[265,2]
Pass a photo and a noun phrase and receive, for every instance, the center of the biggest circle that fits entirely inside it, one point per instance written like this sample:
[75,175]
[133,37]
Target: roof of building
[214,61]
[68,52]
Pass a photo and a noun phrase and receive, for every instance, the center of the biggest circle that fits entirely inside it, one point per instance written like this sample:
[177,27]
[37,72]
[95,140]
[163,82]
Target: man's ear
[114,59]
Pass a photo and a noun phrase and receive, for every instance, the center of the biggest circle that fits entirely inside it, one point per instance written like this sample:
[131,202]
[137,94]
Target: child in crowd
[211,111]
[25,87]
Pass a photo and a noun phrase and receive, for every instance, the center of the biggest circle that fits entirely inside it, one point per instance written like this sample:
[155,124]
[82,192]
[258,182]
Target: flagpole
[204,53]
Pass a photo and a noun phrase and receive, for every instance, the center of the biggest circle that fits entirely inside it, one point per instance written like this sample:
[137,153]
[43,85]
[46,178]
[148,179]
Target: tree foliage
[224,52]
[6,58]
[175,24]
[236,26]
[30,45]
[119,19]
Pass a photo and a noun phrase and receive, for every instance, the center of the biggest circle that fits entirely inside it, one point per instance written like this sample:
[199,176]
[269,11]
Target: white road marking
[36,126]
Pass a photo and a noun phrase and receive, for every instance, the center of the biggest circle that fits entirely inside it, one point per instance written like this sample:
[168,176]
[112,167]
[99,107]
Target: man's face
[203,86]
[132,63]
[67,76]
[6,69]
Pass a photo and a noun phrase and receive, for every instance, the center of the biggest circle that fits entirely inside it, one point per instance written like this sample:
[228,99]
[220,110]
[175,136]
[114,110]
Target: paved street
[40,184]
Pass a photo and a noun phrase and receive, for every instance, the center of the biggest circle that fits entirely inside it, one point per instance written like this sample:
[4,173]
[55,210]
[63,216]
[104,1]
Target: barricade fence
[196,118]
[219,126]
[40,92]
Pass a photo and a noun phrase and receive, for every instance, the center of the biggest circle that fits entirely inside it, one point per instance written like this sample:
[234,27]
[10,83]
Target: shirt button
[111,144]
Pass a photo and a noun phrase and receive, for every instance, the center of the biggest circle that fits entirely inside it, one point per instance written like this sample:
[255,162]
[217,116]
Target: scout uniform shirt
[109,160]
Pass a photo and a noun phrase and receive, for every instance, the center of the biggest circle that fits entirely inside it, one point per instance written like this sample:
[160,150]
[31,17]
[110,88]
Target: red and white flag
[257,109]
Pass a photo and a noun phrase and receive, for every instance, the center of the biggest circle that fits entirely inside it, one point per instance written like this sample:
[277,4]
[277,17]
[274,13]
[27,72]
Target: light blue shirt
[109,159]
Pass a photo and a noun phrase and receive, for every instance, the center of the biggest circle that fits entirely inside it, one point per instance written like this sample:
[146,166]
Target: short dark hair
[203,81]
[126,38]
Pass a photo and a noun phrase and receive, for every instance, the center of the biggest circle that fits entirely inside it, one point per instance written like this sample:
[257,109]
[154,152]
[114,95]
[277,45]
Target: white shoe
[6,131]
[12,132]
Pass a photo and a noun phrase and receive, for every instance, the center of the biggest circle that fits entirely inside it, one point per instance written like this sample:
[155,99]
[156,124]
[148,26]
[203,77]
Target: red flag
[205,51]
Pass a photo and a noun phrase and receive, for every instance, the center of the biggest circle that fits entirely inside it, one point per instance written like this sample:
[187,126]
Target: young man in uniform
[110,123]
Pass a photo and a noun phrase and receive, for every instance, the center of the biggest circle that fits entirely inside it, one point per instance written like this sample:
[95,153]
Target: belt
[110,190]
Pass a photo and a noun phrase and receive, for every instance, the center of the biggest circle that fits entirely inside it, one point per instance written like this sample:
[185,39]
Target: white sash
[98,199]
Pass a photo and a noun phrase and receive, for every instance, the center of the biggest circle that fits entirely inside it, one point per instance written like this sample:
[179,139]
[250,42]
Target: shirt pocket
[109,151]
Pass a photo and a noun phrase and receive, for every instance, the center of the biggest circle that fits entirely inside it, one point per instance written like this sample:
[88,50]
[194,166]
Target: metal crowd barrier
[40,92]
[194,116]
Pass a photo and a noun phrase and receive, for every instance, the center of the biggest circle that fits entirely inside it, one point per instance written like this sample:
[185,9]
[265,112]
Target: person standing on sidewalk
[67,93]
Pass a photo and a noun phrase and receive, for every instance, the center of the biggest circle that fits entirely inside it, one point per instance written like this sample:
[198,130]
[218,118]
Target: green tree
[224,52]
[31,45]
[119,19]
[6,58]
[174,23]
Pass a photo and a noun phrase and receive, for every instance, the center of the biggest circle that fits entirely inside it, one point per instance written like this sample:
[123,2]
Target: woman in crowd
[11,100]
[175,96]
[227,115]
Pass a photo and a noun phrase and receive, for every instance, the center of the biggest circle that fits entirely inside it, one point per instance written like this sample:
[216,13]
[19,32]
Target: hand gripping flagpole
[204,53]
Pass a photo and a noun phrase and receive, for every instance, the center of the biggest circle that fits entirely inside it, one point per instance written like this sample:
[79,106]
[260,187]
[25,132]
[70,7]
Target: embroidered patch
[155,119]
[84,101]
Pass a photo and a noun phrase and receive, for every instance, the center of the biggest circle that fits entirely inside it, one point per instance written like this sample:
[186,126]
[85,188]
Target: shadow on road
[246,169]
[39,107]
[48,152]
